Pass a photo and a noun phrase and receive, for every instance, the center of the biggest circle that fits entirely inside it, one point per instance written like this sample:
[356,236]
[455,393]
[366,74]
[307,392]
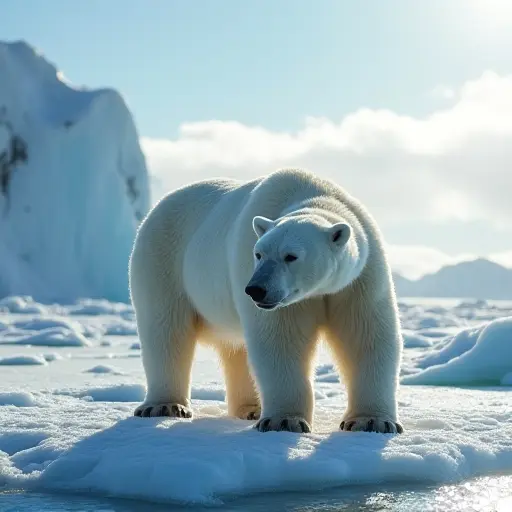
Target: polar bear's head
[295,258]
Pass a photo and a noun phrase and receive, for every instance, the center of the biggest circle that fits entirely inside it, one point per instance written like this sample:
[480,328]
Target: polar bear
[261,270]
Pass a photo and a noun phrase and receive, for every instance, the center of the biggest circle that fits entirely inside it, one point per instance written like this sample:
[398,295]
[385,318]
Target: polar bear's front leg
[366,344]
[280,350]
[168,338]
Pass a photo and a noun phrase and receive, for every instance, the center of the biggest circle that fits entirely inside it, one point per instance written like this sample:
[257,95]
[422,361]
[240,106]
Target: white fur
[202,245]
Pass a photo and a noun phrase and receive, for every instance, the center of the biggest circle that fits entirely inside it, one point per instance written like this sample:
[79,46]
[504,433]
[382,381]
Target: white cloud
[443,92]
[455,164]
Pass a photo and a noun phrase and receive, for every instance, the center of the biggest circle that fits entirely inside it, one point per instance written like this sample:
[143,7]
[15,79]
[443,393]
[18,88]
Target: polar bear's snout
[262,286]
[259,295]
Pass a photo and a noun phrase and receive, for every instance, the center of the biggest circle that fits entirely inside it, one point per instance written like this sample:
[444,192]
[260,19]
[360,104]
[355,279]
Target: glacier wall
[73,183]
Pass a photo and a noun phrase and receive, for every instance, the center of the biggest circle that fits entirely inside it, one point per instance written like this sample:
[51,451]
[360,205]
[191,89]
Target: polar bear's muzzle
[262,286]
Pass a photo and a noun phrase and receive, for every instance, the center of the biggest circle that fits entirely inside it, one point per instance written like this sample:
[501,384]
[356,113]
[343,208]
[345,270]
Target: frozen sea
[71,376]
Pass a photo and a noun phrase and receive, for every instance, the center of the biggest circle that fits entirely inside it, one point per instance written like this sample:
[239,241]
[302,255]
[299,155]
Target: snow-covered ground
[72,375]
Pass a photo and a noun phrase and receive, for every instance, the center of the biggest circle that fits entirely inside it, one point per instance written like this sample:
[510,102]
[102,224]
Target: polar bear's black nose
[257,293]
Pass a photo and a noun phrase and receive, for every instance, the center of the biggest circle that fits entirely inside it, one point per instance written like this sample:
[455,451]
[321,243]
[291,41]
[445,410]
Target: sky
[408,105]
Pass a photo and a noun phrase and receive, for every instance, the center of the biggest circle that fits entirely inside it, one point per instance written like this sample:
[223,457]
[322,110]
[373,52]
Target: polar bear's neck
[350,266]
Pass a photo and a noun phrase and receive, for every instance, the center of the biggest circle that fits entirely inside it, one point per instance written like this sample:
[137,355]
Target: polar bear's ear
[340,233]
[261,225]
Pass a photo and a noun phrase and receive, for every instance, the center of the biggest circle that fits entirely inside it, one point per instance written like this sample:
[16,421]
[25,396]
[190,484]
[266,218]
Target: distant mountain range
[477,279]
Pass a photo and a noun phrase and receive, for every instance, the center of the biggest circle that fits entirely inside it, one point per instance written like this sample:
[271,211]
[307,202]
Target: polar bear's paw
[167,409]
[249,412]
[371,424]
[283,423]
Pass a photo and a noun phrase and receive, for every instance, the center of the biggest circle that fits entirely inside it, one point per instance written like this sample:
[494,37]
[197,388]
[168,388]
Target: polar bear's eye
[290,257]
[258,256]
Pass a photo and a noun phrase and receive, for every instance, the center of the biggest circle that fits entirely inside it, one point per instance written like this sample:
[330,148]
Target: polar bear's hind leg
[241,395]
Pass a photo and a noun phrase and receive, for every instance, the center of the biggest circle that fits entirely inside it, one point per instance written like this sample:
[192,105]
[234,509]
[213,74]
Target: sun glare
[492,12]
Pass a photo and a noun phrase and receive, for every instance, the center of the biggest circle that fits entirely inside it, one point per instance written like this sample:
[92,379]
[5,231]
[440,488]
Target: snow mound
[74,184]
[22,360]
[20,305]
[415,340]
[96,307]
[326,373]
[39,324]
[329,377]
[14,442]
[433,318]
[480,356]
[123,328]
[52,357]
[207,393]
[115,393]
[18,399]
[52,337]
[104,368]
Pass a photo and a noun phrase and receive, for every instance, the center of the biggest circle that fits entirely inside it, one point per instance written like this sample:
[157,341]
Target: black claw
[265,425]
[177,411]
[304,427]
[251,415]
[284,425]
[370,426]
